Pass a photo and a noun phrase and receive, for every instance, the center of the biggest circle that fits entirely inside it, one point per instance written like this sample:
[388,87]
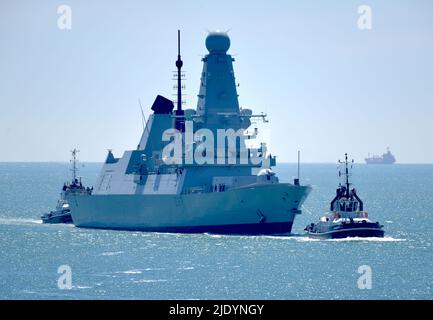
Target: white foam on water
[134,271]
[81,287]
[289,237]
[210,235]
[299,238]
[369,239]
[172,234]
[28,291]
[186,268]
[304,239]
[114,253]
[150,280]
[19,221]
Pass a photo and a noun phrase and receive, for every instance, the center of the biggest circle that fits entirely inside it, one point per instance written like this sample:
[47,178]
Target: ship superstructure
[192,171]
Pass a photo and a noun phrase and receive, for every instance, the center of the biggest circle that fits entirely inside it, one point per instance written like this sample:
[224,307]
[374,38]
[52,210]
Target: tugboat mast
[74,164]
[347,175]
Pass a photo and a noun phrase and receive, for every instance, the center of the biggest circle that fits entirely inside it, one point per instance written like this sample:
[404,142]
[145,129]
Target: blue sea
[137,265]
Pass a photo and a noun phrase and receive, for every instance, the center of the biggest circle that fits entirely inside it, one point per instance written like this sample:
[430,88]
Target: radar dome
[217,41]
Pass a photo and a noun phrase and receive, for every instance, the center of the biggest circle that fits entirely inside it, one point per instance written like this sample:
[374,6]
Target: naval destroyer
[193,170]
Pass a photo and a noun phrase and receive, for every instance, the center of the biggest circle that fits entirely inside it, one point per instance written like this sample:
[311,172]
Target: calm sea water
[138,265]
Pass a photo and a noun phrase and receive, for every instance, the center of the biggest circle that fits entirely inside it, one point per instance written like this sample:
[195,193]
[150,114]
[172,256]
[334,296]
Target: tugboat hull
[57,217]
[350,231]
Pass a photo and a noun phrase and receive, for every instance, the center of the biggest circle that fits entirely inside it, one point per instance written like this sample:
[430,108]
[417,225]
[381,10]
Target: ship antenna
[142,114]
[179,112]
[347,175]
[74,164]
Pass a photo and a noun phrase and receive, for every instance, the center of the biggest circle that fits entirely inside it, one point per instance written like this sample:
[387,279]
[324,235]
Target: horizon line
[282,162]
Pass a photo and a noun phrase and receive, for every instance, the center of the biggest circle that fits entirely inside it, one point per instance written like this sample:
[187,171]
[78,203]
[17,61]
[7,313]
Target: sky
[327,86]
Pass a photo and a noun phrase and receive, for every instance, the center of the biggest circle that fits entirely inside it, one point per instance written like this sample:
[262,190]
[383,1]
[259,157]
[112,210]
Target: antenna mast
[347,173]
[143,120]
[74,164]
[180,122]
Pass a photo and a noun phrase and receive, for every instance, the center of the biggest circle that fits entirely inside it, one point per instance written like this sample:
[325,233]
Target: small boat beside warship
[347,217]
[62,212]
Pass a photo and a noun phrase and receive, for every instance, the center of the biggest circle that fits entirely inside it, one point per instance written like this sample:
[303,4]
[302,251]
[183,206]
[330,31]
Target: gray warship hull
[260,209]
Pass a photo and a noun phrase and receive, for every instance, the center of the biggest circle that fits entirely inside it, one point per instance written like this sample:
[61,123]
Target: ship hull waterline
[262,209]
[354,232]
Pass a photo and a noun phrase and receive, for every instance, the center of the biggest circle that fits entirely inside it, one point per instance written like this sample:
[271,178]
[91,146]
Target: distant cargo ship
[386,158]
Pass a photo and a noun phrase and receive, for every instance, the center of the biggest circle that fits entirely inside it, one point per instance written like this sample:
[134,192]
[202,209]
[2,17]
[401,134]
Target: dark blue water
[136,265]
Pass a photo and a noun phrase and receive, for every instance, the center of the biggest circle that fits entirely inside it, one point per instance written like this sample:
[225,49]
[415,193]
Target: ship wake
[19,221]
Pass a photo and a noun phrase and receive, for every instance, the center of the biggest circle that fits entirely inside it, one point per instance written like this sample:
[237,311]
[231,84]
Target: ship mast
[347,174]
[180,122]
[74,160]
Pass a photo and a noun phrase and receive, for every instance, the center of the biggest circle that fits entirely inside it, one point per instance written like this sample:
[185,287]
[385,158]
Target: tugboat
[62,212]
[347,217]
